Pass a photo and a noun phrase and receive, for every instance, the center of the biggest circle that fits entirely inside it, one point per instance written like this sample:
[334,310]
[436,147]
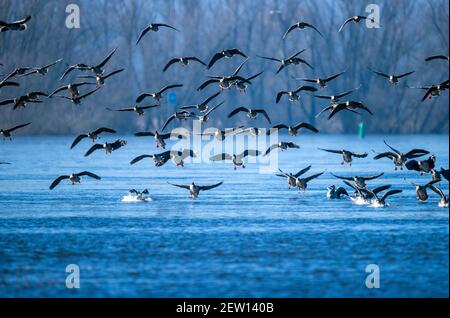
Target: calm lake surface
[250,237]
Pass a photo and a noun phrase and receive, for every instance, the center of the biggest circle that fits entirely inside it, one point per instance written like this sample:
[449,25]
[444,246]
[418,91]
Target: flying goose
[355,19]
[360,182]
[443,202]
[181,115]
[393,79]
[157,96]
[194,189]
[21,101]
[154,27]
[291,178]
[241,85]
[203,118]
[438,57]
[251,113]
[236,159]
[254,131]
[4,163]
[109,147]
[334,98]
[159,138]
[93,135]
[97,69]
[294,96]
[76,100]
[301,26]
[6,133]
[5,83]
[347,156]
[183,61]
[283,145]
[380,202]
[422,166]
[222,134]
[19,25]
[18,71]
[203,106]
[140,110]
[293,59]
[139,195]
[302,183]
[437,174]
[72,88]
[336,193]
[321,82]
[225,53]
[225,82]
[43,69]
[434,90]
[399,158]
[348,105]
[293,130]
[161,158]
[100,78]
[421,190]
[74,178]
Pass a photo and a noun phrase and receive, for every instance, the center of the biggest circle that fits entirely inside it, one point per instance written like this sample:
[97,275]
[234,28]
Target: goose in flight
[203,118]
[76,100]
[100,78]
[71,88]
[293,59]
[293,130]
[251,113]
[97,69]
[434,90]
[194,189]
[421,190]
[225,82]
[422,166]
[241,85]
[348,105]
[399,158]
[93,135]
[6,133]
[74,178]
[291,178]
[443,202]
[109,147]
[283,145]
[159,138]
[334,98]
[360,181]
[222,134]
[336,193]
[393,79]
[43,69]
[356,19]
[321,82]
[347,156]
[157,96]
[183,61]
[21,101]
[140,110]
[5,83]
[438,57]
[19,25]
[366,196]
[181,115]
[236,159]
[301,26]
[438,174]
[294,96]
[20,71]
[302,183]
[4,163]
[228,53]
[161,158]
[154,27]
[203,106]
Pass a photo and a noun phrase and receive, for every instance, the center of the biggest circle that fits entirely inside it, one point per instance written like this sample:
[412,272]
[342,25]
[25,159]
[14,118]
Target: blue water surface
[250,237]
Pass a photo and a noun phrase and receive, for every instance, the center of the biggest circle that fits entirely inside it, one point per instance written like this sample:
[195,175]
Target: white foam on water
[132,198]
[359,201]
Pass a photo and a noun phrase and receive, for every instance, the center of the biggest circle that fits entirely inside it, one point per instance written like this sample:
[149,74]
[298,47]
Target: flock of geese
[94,78]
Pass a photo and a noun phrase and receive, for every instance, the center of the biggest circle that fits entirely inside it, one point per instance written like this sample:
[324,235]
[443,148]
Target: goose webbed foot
[234,168]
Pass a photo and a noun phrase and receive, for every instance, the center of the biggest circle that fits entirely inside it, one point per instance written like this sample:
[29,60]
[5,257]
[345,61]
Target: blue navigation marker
[361,130]
[172,98]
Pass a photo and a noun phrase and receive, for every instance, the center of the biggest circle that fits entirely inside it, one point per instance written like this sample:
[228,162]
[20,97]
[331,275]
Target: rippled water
[252,236]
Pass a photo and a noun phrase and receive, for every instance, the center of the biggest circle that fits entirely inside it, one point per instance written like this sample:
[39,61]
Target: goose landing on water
[194,189]
[347,156]
[399,158]
[336,193]
[443,202]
